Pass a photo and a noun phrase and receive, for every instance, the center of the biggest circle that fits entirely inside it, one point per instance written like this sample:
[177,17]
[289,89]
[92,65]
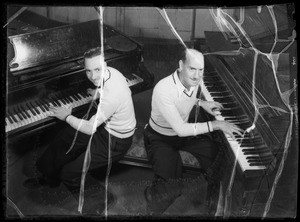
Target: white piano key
[14,124]
[8,126]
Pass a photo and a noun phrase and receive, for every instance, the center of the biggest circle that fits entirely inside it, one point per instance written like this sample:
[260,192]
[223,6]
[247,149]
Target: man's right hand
[227,128]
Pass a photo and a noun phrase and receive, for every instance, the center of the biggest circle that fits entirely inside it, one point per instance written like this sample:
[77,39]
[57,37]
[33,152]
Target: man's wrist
[214,125]
[67,117]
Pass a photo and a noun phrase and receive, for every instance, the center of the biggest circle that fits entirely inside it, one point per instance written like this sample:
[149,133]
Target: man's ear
[180,65]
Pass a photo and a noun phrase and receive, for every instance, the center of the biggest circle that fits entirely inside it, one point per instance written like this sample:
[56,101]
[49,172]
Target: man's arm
[105,110]
[170,113]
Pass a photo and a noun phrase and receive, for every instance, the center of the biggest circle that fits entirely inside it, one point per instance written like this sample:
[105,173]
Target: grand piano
[254,77]
[45,67]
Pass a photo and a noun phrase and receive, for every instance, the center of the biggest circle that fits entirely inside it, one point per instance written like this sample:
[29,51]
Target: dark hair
[92,53]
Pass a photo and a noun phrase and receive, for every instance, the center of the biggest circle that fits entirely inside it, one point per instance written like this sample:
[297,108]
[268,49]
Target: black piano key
[33,105]
[18,113]
[252,144]
[11,113]
[73,95]
[70,99]
[65,99]
[57,98]
[220,94]
[224,99]
[25,112]
[212,88]
[263,162]
[40,105]
[260,158]
[9,119]
[76,96]
[53,101]
[61,99]
[257,152]
[257,164]
[230,105]
[232,112]
[79,94]
[46,103]
[248,143]
[84,94]
[30,108]
[257,145]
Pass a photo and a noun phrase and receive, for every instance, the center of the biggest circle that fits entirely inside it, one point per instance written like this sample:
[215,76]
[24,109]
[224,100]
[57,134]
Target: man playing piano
[112,127]
[169,131]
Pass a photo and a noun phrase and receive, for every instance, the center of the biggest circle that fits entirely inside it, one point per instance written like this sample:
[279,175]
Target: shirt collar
[180,88]
[106,77]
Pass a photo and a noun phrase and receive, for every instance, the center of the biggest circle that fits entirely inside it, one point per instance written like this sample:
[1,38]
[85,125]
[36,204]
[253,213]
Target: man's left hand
[211,107]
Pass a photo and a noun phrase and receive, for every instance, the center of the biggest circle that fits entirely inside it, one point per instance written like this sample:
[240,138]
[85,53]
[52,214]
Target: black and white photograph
[136,112]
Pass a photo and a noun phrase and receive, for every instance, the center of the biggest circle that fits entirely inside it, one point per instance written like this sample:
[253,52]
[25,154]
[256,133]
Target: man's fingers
[51,113]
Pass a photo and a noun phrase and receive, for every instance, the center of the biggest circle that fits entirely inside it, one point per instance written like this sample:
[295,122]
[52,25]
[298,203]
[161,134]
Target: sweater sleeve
[106,108]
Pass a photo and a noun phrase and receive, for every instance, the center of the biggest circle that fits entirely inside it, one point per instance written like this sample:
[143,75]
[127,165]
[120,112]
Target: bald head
[192,54]
[188,53]
[191,67]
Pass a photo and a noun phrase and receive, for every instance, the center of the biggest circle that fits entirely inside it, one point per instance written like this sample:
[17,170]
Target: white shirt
[171,107]
[115,108]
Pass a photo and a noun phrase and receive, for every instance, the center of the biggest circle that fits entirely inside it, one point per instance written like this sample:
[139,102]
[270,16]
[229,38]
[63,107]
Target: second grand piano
[45,67]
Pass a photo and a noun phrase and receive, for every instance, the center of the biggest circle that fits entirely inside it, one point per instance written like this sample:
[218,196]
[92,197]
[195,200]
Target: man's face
[94,67]
[191,69]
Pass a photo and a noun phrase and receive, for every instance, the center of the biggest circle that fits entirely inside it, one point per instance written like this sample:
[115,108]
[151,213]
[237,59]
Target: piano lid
[63,43]
[257,66]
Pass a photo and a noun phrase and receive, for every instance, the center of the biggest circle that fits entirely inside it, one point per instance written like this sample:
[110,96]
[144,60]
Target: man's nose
[94,75]
[197,74]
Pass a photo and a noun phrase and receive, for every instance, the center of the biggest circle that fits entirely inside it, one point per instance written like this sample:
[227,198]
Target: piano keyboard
[251,152]
[133,80]
[37,111]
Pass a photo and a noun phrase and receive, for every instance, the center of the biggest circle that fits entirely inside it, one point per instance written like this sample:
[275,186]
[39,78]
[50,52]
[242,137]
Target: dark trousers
[163,153]
[57,166]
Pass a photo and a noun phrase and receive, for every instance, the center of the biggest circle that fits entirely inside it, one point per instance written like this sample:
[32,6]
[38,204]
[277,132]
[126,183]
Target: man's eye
[97,70]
